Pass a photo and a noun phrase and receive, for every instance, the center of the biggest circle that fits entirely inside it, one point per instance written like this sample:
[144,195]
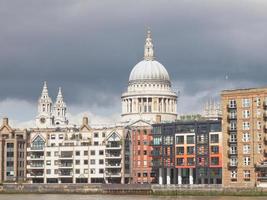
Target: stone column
[179,176]
[168,176]
[160,176]
[191,178]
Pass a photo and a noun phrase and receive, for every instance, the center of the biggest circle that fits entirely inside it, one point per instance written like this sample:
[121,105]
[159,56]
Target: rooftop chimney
[5,121]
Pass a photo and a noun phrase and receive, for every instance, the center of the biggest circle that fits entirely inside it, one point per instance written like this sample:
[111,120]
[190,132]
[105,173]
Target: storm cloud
[89,48]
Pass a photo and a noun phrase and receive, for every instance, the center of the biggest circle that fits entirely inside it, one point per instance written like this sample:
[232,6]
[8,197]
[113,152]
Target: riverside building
[77,155]
[244,128]
[12,153]
[187,152]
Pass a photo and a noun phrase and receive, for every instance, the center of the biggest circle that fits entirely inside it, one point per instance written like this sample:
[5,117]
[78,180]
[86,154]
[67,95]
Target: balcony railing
[232,164]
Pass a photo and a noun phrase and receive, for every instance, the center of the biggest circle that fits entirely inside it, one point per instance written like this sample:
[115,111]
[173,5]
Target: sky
[88,47]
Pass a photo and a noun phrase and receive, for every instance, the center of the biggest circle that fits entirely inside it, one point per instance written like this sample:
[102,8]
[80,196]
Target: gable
[5,129]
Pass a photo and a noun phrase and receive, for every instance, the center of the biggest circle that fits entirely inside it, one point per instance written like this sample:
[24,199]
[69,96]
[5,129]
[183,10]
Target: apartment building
[140,150]
[187,152]
[76,155]
[244,128]
[12,153]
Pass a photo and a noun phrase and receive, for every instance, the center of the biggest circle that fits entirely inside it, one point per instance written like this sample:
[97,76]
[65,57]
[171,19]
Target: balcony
[35,149]
[35,157]
[110,146]
[232,116]
[39,166]
[65,157]
[231,106]
[65,165]
[232,164]
[113,174]
[231,141]
[113,156]
[261,165]
[232,129]
[35,175]
[232,153]
[113,165]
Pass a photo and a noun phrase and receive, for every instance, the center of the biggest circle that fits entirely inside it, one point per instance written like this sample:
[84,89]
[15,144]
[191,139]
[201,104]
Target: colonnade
[165,176]
[149,104]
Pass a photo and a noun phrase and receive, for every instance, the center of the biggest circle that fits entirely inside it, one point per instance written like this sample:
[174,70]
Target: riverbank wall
[137,189]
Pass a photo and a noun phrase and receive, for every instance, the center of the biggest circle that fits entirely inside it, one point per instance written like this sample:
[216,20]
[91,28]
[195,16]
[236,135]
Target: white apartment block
[76,155]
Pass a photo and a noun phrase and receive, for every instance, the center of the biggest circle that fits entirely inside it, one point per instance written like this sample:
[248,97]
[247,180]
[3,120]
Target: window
[92,161]
[96,143]
[246,137]
[48,162]
[246,114]
[259,148]
[48,171]
[77,171]
[258,101]
[145,163]
[233,161]
[103,134]
[246,161]
[233,149]
[92,152]
[101,161]
[246,149]
[214,138]
[190,150]
[190,139]
[77,153]
[179,139]
[85,153]
[232,126]
[85,162]
[92,171]
[61,136]
[214,149]
[95,135]
[246,125]
[56,171]
[85,171]
[247,174]
[77,162]
[48,154]
[258,125]
[101,171]
[214,161]
[53,136]
[232,103]
[101,152]
[232,114]
[180,161]
[190,161]
[245,103]
[145,152]
[233,174]
[179,150]
[233,138]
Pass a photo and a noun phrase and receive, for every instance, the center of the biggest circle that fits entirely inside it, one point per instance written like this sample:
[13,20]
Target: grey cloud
[90,47]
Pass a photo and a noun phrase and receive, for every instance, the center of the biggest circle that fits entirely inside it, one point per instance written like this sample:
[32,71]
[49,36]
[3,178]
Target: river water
[115,197]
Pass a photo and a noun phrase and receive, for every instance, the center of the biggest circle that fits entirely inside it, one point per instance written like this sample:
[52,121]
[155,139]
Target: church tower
[59,111]
[44,118]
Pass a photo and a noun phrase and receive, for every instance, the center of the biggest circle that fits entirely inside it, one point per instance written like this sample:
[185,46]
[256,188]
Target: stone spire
[149,49]
[60,110]
[44,91]
[59,96]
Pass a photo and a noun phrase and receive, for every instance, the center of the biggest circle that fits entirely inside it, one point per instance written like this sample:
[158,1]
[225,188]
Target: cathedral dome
[149,70]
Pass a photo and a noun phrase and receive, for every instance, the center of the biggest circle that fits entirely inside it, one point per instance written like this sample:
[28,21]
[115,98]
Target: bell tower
[59,111]
[44,118]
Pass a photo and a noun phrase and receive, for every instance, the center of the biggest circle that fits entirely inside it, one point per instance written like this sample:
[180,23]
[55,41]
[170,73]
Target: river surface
[115,197]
